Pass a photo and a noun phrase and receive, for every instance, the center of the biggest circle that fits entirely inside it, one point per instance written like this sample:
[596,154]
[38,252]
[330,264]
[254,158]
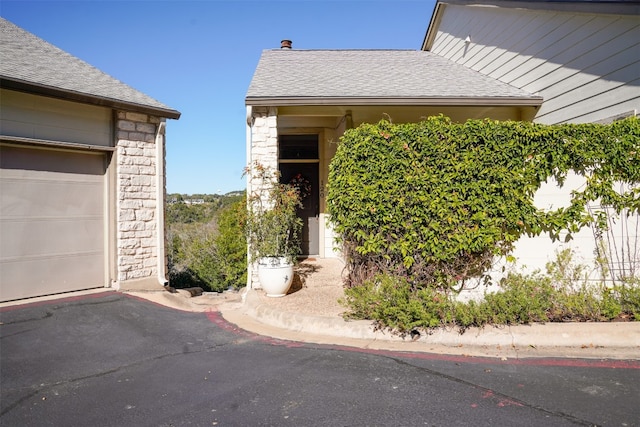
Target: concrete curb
[246,310]
[624,335]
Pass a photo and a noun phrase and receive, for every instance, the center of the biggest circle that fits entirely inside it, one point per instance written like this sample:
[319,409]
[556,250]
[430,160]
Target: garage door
[52,221]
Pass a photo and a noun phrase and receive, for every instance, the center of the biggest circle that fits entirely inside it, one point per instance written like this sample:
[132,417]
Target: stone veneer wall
[136,193]
[264,150]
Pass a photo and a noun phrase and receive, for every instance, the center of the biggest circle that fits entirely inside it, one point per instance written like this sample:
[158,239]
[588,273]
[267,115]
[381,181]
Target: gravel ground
[316,289]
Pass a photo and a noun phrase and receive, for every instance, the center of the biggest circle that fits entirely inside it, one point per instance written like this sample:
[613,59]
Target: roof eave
[532,101]
[602,6]
[434,23]
[38,89]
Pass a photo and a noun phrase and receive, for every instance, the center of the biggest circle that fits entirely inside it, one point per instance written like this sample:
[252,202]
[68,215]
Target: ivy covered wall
[438,201]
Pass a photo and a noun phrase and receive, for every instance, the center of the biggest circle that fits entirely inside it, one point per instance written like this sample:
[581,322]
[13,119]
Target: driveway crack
[496,395]
[42,388]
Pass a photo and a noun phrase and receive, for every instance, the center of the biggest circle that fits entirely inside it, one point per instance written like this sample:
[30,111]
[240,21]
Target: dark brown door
[307,173]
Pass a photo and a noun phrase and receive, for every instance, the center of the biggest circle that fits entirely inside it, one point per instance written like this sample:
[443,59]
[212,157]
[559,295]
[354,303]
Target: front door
[306,176]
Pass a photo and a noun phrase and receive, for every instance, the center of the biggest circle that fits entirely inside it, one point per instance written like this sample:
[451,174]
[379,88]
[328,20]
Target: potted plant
[273,229]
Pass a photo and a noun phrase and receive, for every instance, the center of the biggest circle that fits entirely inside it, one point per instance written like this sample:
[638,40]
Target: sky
[198,57]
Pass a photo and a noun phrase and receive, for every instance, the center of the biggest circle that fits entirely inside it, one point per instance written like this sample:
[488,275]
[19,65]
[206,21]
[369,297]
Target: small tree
[273,226]
[231,245]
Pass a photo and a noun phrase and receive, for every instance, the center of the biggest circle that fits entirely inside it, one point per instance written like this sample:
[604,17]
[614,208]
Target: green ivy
[436,201]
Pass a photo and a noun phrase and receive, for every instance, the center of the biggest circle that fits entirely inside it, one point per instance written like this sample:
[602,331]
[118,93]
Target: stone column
[264,151]
[137,252]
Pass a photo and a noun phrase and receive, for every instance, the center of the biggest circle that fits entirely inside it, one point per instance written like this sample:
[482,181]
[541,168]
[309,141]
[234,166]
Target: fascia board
[534,101]
[37,89]
[610,7]
[432,29]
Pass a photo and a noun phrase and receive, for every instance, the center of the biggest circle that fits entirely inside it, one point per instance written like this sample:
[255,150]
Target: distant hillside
[191,208]
[192,199]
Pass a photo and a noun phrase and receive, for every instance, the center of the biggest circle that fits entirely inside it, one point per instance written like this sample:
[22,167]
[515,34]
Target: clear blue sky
[198,57]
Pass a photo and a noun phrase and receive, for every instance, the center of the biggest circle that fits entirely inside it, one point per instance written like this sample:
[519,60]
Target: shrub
[393,303]
[436,201]
[180,275]
[629,297]
[272,223]
[231,245]
[211,255]
[522,299]
[202,258]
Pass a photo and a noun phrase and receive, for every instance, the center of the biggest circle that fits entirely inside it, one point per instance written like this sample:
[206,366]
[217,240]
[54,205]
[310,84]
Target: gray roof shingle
[27,61]
[375,75]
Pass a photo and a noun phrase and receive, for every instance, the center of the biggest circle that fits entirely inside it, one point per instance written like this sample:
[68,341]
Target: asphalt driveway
[114,360]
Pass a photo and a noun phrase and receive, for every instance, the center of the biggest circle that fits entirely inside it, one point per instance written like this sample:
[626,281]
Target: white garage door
[52,221]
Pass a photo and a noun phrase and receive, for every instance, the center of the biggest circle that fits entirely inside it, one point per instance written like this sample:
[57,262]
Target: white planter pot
[276,276]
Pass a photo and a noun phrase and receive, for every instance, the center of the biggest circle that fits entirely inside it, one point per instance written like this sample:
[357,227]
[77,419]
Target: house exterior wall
[262,148]
[38,117]
[263,127]
[585,66]
[265,124]
[329,247]
[139,201]
[127,235]
[264,137]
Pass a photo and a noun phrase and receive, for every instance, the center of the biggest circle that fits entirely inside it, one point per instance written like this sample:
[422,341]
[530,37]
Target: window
[298,147]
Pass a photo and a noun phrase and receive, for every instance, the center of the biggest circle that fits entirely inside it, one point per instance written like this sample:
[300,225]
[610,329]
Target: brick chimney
[285,44]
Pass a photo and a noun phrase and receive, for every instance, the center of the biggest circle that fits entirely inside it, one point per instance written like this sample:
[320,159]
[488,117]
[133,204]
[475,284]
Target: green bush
[273,226]
[394,304]
[231,245]
[435,202]
[629,297]
[193,257]
[202,258]
[582,304]
[521,299]
[211,255]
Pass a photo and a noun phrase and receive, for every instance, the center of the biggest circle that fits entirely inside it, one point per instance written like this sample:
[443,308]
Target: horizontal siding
[550,76]
[449,42]
[598,107]
[542,45]
[38,117]
[493,54]
[609,113]
[580,50]
[585,66]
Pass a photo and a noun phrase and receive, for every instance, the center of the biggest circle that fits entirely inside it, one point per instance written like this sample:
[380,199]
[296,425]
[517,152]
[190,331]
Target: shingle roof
[27,62]
[405,76]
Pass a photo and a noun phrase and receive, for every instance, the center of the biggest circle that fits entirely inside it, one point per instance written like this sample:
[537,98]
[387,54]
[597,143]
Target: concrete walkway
[311,313]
